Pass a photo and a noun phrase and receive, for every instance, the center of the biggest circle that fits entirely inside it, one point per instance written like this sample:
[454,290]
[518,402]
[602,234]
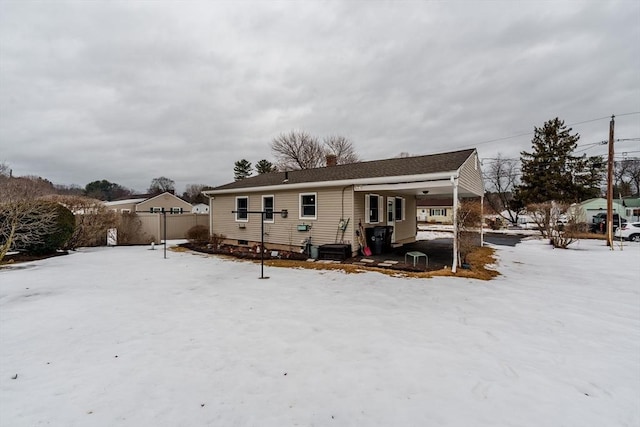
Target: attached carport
[465,182]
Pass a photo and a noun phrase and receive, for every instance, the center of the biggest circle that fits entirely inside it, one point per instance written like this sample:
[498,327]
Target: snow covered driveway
[122,337]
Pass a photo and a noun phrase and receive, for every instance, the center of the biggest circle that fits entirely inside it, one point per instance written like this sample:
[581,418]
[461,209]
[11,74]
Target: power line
[568,125]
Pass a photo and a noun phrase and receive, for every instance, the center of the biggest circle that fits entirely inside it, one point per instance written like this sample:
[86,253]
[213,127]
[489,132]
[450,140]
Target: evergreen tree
[265,166]
[242,169]
[552,172]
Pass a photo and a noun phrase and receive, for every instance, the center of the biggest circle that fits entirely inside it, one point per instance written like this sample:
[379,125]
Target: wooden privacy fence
[177,224]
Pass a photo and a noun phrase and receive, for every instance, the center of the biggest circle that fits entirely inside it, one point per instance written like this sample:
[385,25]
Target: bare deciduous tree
[501,177]
[300,150]
[193,193]
[161,185]
[342,148]
[297,150]
[627,176]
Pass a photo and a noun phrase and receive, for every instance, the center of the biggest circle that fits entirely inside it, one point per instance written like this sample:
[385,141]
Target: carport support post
[454,265]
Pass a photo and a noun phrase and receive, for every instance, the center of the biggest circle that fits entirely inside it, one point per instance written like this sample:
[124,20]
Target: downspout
[210,212]
[482,221]
[454,265]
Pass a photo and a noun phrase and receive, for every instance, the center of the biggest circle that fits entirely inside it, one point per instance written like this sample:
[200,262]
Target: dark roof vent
[286,177]
[332,159]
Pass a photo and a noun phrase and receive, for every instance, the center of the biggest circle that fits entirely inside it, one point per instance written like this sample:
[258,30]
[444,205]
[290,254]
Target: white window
[125,211]
[242,206]
[373,205]
[156,210]
[267,208]
[400,209]
[175,210]
[308,205]
[438,212]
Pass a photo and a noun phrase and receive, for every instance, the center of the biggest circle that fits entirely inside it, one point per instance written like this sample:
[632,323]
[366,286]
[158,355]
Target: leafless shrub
[25,223]
[198,234]
[215,241]
[93,219]
[130,230]
[469,221]
[556,223]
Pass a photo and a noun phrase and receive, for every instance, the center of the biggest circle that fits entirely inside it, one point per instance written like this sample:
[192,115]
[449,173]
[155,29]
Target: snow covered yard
[121,336]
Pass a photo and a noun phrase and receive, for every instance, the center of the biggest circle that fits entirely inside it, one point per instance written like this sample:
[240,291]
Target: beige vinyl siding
[166,201]
[470,178]
[284,231]
[405,231]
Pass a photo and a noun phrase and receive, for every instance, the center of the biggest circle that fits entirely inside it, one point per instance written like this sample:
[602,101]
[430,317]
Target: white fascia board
[415,179]
[404,185]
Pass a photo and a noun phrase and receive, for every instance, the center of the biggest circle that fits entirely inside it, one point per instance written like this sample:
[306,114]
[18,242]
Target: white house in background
[200,208]
[166,201]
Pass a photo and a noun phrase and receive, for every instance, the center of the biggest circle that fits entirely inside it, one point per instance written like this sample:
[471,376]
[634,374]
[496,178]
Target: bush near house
[57,237]
[198,234]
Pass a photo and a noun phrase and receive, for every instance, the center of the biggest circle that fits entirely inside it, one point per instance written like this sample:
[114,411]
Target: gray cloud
[128,91]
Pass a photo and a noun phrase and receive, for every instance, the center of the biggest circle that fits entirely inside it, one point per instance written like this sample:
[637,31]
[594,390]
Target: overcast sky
[131,90]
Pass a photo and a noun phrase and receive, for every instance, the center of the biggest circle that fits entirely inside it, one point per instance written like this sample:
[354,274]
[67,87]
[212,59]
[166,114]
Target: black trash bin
[378,240]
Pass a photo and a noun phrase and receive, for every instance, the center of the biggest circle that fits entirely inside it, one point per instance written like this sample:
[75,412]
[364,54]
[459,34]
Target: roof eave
[338,183]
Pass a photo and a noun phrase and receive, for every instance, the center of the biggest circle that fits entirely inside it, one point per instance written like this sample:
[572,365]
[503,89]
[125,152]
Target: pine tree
[242,169]
[265,166]
[552,172]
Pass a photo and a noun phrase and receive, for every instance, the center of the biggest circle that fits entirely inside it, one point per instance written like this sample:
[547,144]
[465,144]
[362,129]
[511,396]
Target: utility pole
[610,186]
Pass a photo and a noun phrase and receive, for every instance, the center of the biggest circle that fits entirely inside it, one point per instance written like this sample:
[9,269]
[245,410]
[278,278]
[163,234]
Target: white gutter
[341,183]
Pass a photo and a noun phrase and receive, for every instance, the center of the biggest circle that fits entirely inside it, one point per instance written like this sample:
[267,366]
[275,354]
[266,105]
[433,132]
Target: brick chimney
[332,160]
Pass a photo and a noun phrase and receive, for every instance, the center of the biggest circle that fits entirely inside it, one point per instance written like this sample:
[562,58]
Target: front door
[391,212]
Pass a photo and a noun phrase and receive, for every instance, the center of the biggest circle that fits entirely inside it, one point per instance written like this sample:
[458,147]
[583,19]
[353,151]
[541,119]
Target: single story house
[586,210]
[327,205]
[632,208]
[166,201]
[439,211]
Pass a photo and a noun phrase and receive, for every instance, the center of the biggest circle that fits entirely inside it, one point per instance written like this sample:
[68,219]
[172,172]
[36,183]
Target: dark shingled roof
[418,165]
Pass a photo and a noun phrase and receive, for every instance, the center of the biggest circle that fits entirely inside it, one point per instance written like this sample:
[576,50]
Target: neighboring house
[154,225]
[166,201]
[438,211]
[586,210]
[325,205]
[124,206]
[632,208]
[200,208]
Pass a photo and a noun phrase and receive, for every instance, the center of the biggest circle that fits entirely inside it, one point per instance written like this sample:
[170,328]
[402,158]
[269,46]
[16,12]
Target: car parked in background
[629,231]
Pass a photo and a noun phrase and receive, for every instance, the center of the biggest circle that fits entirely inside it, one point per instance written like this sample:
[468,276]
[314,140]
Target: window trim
[443,212]
[381,214]
[237,218]
[273,208]
[155,209]
[175,210]
[315,207]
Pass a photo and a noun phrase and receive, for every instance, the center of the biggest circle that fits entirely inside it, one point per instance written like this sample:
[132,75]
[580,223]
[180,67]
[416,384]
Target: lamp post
[283,213]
